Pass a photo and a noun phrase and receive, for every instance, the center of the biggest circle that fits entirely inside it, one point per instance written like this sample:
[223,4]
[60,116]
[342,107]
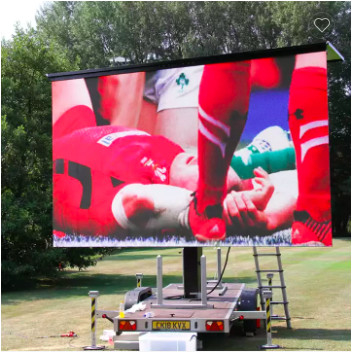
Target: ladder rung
[267,254]
[276,317]
[270,271]
[278,302]
[274,286]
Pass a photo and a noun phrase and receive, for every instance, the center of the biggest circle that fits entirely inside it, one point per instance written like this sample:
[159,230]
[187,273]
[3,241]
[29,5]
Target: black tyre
[248,302]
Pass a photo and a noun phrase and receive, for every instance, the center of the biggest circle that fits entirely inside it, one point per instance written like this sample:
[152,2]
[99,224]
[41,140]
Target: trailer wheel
[135,296]
[249,329]
[248,301]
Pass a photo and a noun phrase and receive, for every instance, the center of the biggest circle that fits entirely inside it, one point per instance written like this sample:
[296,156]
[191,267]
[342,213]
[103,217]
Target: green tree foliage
[75,35]
[26,189]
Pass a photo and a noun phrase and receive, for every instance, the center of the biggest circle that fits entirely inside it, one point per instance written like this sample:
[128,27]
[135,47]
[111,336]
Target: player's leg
[308,122]
[223,105]
[72,107]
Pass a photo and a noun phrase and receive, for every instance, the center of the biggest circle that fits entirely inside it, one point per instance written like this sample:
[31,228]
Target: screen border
[158,65]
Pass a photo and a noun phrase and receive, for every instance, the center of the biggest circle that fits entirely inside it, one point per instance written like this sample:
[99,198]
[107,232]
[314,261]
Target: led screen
[228,153]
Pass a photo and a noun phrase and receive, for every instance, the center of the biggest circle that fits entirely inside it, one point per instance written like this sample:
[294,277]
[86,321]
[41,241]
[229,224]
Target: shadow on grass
[134,257]
[314,334]
[346,239]
[238,342]
[126,254]
[73,285]
[235,341]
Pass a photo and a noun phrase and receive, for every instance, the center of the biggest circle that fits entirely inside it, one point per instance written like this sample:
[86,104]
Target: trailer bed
[221,304]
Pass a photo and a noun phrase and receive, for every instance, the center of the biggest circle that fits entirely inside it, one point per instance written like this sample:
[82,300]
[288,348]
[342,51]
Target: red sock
[308,122]
[223,105]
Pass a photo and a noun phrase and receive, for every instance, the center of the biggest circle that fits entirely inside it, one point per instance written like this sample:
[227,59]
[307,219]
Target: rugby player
[308,122]
[110,180]
[223,104]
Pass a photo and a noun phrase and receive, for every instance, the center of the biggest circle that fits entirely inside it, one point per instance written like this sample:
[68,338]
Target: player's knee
[225,88]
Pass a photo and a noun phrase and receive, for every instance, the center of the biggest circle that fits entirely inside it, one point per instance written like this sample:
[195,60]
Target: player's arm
[241,213]
[262,208]
[151,207]
[262,190]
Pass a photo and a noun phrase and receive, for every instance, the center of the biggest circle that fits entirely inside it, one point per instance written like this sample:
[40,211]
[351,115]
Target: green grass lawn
[318,281]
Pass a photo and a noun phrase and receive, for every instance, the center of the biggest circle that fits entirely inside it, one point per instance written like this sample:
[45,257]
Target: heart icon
[322,24]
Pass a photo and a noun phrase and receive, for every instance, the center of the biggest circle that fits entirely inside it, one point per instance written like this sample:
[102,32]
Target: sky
[12,11]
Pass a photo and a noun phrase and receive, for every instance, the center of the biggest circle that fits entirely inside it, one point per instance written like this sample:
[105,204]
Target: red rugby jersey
[92,164]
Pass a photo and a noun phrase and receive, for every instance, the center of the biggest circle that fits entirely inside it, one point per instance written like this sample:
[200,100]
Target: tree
[26,188]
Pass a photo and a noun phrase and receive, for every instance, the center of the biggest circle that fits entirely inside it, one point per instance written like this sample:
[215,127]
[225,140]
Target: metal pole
[219,262]
[269,345]
[270,279]
[93,295]
[203,283]
[159,280]
[259,279]
[270,284]
[139,279]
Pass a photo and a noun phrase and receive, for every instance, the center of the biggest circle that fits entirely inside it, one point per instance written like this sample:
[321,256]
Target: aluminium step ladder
[282,285]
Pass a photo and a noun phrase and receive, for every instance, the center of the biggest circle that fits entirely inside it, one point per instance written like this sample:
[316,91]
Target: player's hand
[240,212]
[263,189]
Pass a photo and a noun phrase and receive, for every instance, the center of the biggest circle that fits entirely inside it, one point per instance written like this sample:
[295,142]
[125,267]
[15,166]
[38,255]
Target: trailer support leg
[93,347]
[270,284]
[159,280]
[219,263]
[139,279]
[203,284]
[269,345]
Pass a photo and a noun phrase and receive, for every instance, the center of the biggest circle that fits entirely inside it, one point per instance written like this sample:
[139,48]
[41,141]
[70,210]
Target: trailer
[188,314]
[195,306]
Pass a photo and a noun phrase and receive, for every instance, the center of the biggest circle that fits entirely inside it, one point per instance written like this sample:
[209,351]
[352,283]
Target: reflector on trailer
[258,321]
[214,325]
[127,325]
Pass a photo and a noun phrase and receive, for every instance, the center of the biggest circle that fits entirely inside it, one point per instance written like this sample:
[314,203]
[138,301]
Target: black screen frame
[258,54]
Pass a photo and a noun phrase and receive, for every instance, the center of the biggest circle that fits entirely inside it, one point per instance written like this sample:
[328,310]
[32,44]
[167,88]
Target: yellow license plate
[171,325]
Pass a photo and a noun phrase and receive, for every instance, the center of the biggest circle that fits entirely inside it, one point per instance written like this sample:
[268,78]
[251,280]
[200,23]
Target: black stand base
[94,348]
[191,271]
[270,347]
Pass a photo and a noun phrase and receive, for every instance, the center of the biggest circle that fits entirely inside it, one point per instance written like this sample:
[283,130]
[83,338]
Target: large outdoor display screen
[232,153]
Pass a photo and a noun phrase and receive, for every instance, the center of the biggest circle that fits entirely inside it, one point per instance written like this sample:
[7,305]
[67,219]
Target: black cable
[222,273]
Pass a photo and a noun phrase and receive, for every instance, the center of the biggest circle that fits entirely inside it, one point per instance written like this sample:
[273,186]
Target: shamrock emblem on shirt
[182,81]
